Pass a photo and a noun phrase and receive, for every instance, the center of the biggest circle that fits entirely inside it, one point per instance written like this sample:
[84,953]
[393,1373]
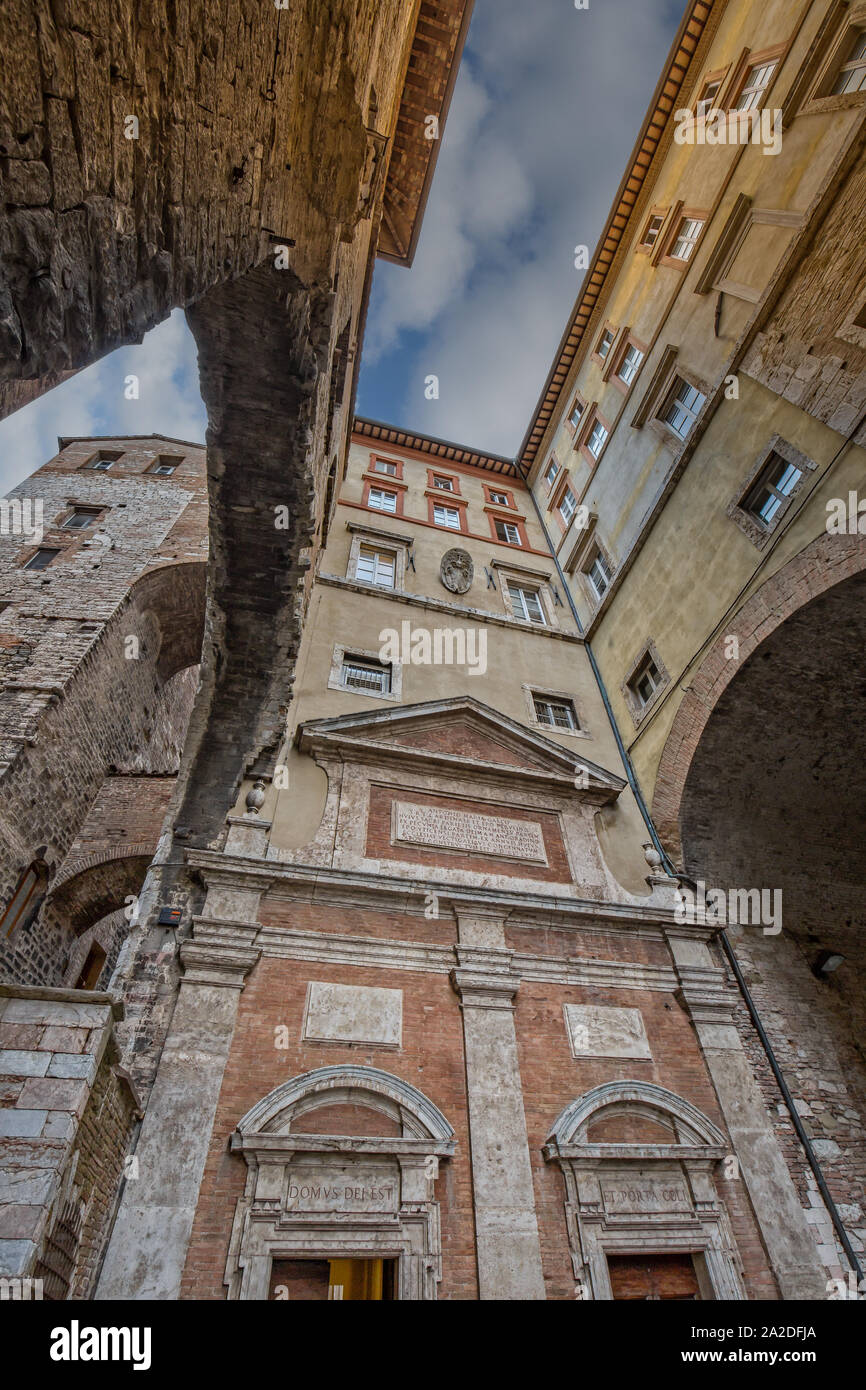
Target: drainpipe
[722,936]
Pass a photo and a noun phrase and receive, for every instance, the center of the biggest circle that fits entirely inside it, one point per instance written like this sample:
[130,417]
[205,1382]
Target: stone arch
[666,1205]
[340,1085]
[687,1124]
[92,887]
[819,567]
[175,594]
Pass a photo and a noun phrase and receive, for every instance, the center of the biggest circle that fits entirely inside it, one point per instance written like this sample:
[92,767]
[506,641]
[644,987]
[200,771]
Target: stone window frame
[381,540]
[553,461]
[587,558]
[664,245]
[737,510]
[638,711]
[490,491]
[95,510]
[644,247]
[173,461]
[527,578]
[747,62]
[578,399]
[545,693]
[649,412]
[29,555]
[688,1160]
[336,682]
[375,458]
[581,443]
[601,359]
[384,484]
[447,476]
[627,340]
[836,35]
[112,456]
[715,76]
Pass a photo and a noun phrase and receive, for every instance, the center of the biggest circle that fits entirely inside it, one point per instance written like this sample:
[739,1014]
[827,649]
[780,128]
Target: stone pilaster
[506,1228]
[148,1246]
[785,1232]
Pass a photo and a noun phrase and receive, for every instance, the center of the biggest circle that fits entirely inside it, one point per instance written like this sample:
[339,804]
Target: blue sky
[544,115]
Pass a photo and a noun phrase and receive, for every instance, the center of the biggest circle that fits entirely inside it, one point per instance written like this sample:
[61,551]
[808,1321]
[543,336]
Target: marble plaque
[439,827]
[596,1030]
[354,1013]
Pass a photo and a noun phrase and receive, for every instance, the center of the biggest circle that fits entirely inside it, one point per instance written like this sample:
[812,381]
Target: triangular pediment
[460,731]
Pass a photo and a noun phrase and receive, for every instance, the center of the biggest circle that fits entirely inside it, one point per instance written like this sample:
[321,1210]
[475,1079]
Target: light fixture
[825,963]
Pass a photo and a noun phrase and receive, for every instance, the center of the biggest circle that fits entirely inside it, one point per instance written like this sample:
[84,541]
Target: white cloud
[546,110]
[93,402]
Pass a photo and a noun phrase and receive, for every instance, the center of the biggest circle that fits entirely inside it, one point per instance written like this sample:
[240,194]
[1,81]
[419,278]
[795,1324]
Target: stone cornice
[436,605]
[393,953]
[314,883]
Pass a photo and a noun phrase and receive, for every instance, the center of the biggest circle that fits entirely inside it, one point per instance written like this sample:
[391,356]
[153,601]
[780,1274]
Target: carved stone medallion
[456,570]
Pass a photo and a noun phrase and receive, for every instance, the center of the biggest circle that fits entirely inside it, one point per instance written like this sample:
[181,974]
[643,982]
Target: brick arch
[96,884]
[826,562]
[175,594]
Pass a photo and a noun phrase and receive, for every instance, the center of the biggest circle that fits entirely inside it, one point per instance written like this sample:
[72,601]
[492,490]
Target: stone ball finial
[256,797]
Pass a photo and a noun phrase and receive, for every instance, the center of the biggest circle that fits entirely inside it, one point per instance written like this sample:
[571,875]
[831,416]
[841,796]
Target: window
[447,516]
[681,409]
[552,472]
[102,462]
[507,531]
[92,968]
[852,74]
[360,673]
[645,681]
[757,81]
[385,466]
[631,360]
[686,238]
[500,499]
[446,484]
[382,501]
[163,468]
[526,603]
[775,484]
[557,714]
[605,343]
[652,229]
[376,566]
[598,575]
[81,518]
[576,413]
[567,505]
[26,900]
[42,559]
[597,439]
[707,99]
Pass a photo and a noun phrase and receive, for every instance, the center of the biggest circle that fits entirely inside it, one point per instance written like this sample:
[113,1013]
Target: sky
[546,109]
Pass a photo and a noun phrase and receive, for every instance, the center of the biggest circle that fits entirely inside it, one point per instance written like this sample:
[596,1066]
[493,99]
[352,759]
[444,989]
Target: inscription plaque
[443,828]
[645,1194]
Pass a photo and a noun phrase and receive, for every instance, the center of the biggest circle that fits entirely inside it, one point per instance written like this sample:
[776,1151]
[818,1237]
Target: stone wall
[100,652]
[66,1124]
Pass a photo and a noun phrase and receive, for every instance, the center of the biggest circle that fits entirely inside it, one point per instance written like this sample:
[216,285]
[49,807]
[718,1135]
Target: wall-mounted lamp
[825,963]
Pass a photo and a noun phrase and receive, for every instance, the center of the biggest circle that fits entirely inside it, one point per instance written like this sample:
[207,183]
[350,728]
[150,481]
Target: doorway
[356,1281]
[656,1277]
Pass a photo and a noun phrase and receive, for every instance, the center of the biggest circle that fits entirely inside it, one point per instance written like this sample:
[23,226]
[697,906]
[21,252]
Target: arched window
[26,900]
